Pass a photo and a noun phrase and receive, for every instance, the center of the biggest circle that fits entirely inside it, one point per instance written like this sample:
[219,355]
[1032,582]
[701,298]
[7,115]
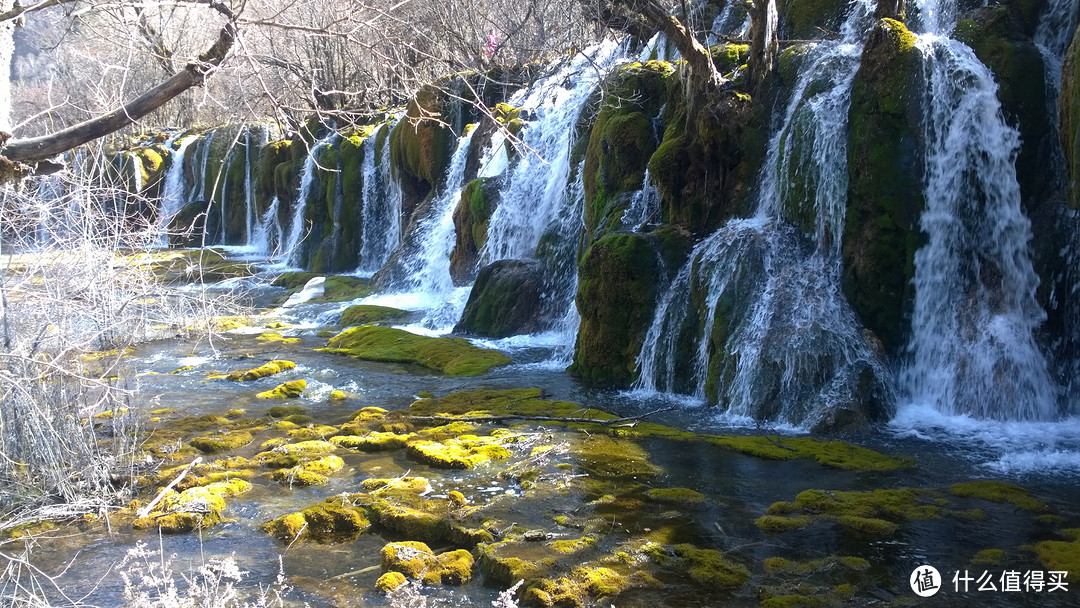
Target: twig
[505,417]
[143,512]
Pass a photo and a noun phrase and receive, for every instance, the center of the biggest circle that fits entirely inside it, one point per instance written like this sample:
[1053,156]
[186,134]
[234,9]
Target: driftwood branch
[39,148]
[143,512]
[538,418]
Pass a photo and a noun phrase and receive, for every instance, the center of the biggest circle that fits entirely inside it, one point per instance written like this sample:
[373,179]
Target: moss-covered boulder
[450,356]
[193,509]
[505,300]
[623,137]
[617,293]
[471,218]
[366,314]
[286,390]
[421,144]
[267,369]
[885,194]
[417,561]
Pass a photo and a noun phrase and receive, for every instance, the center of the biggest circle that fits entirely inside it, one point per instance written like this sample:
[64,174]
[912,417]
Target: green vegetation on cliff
[451,356]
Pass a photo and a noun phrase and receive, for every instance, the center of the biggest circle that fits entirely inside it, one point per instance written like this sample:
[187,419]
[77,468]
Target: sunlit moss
[997,491]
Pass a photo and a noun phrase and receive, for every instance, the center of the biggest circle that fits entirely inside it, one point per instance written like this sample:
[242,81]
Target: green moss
[221,442]
[193,509]
[267,369]
[729,57]
[504,571]
[463,452]
[881,231]
[289,390]
[777,524]
[372,442]
[365,314]
[676,495]
[1060,555]
[285,411]
[710,569]
[451,356]
[611,458]
[573,546]
[875,513]
[997,491]
[835,454]
[616,298]
[334,519]
[417,561]
[802,18]
[989,557]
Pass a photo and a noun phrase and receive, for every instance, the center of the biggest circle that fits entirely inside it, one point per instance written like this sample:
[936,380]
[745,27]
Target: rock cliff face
[648,183]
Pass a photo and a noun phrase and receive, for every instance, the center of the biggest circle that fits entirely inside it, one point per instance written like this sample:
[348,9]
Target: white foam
[1011,447]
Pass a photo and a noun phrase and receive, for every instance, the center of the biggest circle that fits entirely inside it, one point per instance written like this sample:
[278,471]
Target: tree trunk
[39,148]
[763,40]
[7,49]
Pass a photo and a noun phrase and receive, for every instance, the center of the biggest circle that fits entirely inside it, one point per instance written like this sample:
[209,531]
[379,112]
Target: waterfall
[769,332]
[266,235]
[644,206]
[973,349]
[380,226]
[174,189]
[307,177]
[535,190]
[200,166]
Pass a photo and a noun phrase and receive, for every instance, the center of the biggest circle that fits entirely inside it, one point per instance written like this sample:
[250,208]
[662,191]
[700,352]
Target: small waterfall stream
[535,190]
[174,189]
[381,208]
[290,249]
[772,335]
[973,347]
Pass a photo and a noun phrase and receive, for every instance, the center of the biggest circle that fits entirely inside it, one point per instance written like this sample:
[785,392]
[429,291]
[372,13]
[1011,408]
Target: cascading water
[760,313]
[425,268]
[290,249]
[267,236]
[381,208]
[972,348]
[535,190]
[644,205]
[174,189]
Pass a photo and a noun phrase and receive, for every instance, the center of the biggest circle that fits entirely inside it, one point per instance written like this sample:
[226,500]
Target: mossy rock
[193,509]
[676,495]
[421,145]
[221,442]
[372,442]
[267,369]
[1061,556]
[998,491]
[479,199]
[611,458]
[335,519]
[504,571]
[288,390]
[285,411]
[616,298]
[872,514]
[311,473]
[450,356]
[462,452]
[505,300]
[885,196]
[417,561]
[366,314]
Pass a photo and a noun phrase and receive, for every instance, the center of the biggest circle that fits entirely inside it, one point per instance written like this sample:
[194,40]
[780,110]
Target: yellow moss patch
[194,508]
[318,431]
[372,442]
[368,413]
[271,337]
[267,369]
[335,518]
[390,581]
[575,545]
[221,442]
[451,356]
[873,513]
[289,390]
[416,560]
[1061,555]
[989,557]
[338,395]
[463,452]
